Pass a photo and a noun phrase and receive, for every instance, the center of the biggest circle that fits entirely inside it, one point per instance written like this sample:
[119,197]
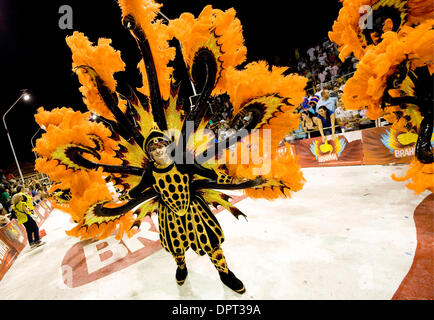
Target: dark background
[34,54]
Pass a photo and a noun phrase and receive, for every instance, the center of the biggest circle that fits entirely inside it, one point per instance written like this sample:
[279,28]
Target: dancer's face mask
[158,152]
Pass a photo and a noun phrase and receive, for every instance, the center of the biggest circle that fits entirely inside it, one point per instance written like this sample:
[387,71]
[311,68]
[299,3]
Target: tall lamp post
[26,97]
[31,141]
[33,146]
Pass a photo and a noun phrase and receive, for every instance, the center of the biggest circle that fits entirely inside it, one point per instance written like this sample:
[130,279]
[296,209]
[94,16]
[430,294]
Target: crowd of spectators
[322,112]
[10,186]
[221,109]
[321,65]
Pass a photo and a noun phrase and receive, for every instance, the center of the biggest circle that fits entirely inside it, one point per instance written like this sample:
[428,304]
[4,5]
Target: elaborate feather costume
[81,152]
[394,78]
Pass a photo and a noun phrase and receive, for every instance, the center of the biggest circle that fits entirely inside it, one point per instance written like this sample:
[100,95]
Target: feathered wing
[420,176]
[214,31]
[361,23]
[70,137]
[267,96]
[393,79]
[157,34]
[268,99]
[218,198]
[83,154]
[395,72]
[394,59]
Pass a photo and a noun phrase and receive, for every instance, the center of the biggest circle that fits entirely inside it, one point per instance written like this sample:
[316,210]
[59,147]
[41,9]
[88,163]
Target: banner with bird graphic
[345,149]
[385,145]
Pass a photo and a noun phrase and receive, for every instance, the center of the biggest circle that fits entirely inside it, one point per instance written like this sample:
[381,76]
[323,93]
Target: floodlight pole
[31,141]
[9,137]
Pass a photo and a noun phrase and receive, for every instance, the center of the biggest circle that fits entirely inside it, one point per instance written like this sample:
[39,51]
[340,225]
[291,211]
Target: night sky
[34,54]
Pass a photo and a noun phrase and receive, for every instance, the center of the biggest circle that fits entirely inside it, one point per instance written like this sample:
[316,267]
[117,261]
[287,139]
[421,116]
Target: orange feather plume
[104,60]
[420,176]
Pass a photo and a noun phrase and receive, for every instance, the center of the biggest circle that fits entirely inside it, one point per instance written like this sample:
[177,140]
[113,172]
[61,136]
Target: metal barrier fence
[380,122]
[37,177]
[345,76]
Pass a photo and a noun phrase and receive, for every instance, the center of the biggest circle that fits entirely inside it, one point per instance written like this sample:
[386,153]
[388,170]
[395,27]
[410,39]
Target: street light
[31,141]
[42,127]
[26,96]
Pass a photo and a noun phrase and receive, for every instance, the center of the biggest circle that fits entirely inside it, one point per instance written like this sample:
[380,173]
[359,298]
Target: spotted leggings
[198,229]
[217,258]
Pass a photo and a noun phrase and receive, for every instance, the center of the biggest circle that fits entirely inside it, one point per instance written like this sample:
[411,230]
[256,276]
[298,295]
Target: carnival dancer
[152,144]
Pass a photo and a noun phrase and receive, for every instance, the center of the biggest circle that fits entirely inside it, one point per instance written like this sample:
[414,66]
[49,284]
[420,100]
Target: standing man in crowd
[327,101]
[24,216]
[27,198]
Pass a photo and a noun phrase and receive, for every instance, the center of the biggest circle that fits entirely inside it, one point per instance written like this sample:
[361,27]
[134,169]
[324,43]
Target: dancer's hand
[238,180]
[260,180]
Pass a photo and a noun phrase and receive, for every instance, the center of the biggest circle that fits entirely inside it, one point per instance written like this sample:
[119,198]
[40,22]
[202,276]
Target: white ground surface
[349,234]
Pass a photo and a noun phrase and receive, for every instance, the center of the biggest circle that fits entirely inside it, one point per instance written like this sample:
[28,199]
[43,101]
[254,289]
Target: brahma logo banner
[328,151]
[345,149]
[385,145]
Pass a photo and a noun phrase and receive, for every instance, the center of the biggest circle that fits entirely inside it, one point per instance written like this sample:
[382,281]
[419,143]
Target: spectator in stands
[327,101]
[297,135]
[3,216]
[364,121]
[331,56]
[31,188]
[308,75]
[13,190]
[314,74]
[313,101]
[5,198]
[2,176]
[311,53]
[305,106]
[334,70]
[41,192]
[322,58]
[24,216]
[322,76]
[301,65]
[308,123]
[325,120]
[342,116]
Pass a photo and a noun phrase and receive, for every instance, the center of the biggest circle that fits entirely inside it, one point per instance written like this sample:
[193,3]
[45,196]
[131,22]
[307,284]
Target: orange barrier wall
[384,145]
[371,146]
[13,237]
[346,149]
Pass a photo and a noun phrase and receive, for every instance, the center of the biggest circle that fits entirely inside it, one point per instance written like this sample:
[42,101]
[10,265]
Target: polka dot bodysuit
[185,220]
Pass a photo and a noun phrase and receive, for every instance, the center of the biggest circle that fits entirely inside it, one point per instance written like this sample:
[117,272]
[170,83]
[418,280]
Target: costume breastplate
[174,189]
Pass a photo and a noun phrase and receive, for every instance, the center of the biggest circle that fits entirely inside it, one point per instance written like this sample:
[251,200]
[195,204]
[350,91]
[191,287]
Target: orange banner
[344,150]
[8,251]
[385,145]
[13,237]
